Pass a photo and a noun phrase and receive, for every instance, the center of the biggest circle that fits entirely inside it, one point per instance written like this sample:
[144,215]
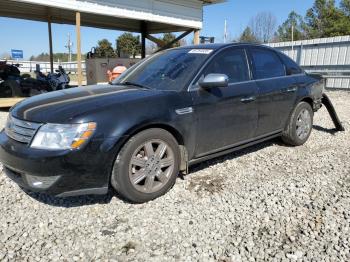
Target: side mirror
[214,80]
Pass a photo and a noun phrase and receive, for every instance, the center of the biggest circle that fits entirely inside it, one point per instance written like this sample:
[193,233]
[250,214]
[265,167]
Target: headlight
[62,136]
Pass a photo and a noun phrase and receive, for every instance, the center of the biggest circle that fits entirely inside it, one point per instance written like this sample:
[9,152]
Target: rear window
[266,64]
[291,67]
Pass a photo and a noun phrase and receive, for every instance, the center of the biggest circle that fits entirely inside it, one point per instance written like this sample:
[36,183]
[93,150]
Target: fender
[116,143]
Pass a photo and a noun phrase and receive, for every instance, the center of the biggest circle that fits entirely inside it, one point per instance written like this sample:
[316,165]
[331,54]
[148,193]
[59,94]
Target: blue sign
[16,54]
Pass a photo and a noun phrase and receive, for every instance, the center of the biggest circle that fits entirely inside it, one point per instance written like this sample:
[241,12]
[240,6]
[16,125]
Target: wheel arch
[308,100]
[172,130]
[169,128]
[289,135]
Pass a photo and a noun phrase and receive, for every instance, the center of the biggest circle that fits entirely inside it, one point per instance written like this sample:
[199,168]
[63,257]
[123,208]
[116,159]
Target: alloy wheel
[303,124]
[151,166]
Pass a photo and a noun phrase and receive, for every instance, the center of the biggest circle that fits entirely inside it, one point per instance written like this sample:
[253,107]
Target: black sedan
[171,110]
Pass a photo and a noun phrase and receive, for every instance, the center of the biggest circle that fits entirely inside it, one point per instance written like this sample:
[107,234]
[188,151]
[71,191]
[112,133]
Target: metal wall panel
[327,56]
[30,66]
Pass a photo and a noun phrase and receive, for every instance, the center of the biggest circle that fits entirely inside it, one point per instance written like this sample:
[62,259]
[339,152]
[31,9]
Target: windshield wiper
[128,83]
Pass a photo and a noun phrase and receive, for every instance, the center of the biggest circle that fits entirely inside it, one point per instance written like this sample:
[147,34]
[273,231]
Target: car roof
[220,46]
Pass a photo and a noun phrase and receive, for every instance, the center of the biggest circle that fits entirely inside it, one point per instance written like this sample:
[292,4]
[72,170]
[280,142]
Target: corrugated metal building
[143,16]
[327,56]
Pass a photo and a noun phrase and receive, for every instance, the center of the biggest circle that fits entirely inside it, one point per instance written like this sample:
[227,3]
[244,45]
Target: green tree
[248,36]
[128,44]
[104,49]
[325,19]
[62,57]
[5,56]
[168,38]
[295,21]
[45,57]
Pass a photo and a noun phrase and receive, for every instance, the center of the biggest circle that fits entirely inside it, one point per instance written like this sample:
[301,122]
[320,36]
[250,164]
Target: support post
[77,21]
[196,37]
[50,43]
[143,39]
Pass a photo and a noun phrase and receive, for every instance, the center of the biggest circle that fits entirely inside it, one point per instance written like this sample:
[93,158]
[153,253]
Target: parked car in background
[171,110]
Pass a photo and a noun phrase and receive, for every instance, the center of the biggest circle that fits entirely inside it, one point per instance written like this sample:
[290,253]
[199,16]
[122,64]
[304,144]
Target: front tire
[299,126]
[147,166]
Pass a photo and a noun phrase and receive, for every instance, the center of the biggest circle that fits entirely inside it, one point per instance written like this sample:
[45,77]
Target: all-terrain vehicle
[13,84]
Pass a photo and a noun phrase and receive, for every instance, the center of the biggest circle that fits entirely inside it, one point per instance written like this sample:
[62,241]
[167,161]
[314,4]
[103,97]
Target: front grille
[19,130]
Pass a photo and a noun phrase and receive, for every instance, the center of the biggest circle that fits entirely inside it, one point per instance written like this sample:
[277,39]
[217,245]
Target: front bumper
[60,173]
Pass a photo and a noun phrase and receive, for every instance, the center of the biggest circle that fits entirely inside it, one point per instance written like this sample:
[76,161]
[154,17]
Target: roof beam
[158,41]
[168,45]
[172,16]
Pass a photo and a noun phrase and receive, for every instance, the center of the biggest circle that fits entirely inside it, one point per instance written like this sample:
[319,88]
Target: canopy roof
[126,15]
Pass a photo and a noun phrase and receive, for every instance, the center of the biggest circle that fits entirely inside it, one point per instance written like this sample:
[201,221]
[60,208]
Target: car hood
[65,105]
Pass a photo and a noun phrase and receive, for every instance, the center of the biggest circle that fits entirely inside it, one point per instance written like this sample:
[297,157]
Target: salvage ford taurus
[171,110]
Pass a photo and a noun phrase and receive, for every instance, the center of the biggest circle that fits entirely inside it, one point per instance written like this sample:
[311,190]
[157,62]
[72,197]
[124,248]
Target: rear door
[276,90]
[225,115]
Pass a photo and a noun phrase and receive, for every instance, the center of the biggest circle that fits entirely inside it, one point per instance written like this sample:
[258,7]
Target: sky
[32,37]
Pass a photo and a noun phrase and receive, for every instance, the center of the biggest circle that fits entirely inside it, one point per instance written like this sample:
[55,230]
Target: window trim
[193,86]
[277,77]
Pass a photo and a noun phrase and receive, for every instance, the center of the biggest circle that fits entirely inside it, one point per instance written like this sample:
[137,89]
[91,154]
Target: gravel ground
[269,202]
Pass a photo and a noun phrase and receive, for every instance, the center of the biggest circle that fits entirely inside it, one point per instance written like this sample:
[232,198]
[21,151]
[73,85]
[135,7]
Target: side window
[266,64]
[291,66]
[231,62]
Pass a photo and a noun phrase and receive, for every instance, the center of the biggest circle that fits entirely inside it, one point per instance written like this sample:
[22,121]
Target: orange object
[116,72]
[85,136]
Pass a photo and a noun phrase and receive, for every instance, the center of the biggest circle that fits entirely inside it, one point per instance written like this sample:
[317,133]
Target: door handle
[248,99]
[291,89]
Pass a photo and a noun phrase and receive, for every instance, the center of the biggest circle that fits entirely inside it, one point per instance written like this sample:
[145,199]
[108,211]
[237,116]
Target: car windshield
[168,70]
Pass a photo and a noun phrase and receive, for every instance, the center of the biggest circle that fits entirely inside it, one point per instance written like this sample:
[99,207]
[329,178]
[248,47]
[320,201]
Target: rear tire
[147,166]
[300,124]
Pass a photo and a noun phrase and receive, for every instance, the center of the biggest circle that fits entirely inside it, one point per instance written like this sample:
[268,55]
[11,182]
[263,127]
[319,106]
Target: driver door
[226,116]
